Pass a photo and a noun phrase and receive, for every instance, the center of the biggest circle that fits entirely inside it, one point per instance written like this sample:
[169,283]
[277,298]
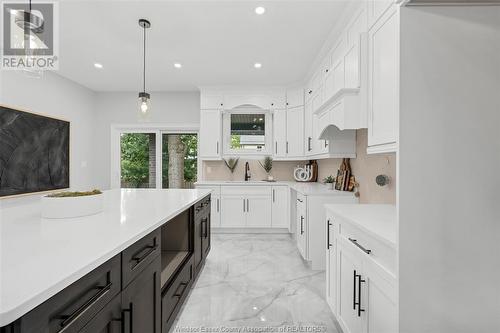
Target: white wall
[449,170]
[56,96]
[167,108]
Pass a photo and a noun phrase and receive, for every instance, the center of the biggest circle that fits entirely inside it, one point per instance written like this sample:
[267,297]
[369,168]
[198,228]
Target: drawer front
[107,320]
[215,189]
[72,308]
[139,255]
[246,191]
[173,298]
[202,208]
[380,253]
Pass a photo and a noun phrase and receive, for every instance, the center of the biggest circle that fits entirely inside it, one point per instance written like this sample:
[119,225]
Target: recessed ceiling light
[177,65]
[260,10]
[98,65]
[257,65]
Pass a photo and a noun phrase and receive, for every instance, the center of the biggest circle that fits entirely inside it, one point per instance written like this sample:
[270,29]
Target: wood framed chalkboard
[34,152]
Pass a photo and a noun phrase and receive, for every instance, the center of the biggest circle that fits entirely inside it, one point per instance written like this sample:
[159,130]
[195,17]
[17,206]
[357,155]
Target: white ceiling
[217,42]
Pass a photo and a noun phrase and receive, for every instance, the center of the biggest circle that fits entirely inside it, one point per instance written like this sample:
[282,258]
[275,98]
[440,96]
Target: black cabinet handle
[301,225]
[328,224]
[355,242]
[217,205]
[287,147]
[309,144]
[124,314]
[299,200]
[70,319]
[276,147]
[138,260]
[182,285]
[310,92]
[243,205]
[354,291]
[204,228]
[248,205]
[217,147]
[274,200]
[359,295]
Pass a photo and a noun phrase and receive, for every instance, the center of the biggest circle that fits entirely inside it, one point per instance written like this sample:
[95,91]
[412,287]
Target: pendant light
[144,97]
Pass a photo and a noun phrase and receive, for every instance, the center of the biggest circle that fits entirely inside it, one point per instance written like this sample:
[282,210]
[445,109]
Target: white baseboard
[216,230]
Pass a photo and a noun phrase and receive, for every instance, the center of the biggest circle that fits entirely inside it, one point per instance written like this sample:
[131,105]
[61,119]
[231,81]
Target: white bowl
[60,208]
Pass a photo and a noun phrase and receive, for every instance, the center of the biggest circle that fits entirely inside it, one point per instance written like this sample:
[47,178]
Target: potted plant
[267,165]
[231,164]
[72,204]
[330,180]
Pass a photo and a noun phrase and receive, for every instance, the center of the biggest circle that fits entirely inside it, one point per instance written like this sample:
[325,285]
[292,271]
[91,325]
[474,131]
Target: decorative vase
[330,186]
[270,178]
[69,207]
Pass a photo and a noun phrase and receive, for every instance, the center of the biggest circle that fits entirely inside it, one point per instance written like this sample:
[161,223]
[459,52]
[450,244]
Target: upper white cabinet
[383,94]
[295,97]
[280,133]
[210,134]
[295,131]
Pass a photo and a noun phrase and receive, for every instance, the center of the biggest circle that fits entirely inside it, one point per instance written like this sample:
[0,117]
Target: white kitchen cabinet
[233,211]
[352,67]
[278,102]
[331,264]
[215,209]
[280,133]
[210,134]
[383,77]
[349,272]
[308,128]
[301,227]
[258,212]
[295,97]
[295,131]
[280,210]
[319,146]
[376,8]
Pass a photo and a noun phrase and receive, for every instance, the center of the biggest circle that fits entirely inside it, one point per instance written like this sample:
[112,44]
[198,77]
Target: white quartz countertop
[305,188]
[379,221]
[40,257]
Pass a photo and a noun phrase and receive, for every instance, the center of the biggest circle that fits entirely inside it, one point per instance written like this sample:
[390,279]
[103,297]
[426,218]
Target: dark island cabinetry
[140,290]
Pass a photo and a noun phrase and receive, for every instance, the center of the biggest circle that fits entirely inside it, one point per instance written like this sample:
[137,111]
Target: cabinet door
[295,97]
[233,211]
[141,301]
[206,235]
[383,79]
[331,265]
[319,146]
[280,125]
[259,212]
[352,67]
[348,271]
[338,76]
[308,119]
[215,208]
[380,301]
[210,134]
[197,240]
[295,131]
[280,217]
[108,320]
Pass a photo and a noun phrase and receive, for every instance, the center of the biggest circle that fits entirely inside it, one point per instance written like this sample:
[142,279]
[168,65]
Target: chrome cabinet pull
[365,250]
[328,224]
[301,225]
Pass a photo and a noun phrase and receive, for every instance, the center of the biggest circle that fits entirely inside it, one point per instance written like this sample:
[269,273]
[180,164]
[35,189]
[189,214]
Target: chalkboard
[34,152]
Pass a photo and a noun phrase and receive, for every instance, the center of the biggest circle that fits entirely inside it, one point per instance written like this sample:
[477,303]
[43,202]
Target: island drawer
[175,294]
[71,309]
[201,209]
[139,255]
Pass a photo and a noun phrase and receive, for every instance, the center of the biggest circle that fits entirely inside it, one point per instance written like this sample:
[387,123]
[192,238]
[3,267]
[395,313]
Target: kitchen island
[59,273]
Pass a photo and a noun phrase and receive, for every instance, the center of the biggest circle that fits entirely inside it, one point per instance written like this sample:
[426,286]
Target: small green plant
[74,194]
[329,180]
[231,163]
[267,164]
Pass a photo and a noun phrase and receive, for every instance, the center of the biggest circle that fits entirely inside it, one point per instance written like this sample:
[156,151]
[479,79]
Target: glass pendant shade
[144,105]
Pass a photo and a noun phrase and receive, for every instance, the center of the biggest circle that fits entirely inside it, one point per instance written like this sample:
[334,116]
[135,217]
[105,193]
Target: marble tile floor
[256,283]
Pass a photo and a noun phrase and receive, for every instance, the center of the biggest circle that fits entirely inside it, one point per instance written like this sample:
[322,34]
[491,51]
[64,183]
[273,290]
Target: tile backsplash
[365,168]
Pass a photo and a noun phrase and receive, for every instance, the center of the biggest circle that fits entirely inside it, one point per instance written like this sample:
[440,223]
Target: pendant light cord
[144,62]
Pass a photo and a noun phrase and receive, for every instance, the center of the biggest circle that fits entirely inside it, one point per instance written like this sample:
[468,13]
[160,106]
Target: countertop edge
[11,315]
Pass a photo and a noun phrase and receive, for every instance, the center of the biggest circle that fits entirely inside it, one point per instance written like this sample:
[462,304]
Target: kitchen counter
[304,188]
[379,221]
[40,257]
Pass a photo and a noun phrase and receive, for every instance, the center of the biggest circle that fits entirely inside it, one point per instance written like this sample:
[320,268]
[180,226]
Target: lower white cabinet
[280,207]
[302,233]
[361,287]
[250,206]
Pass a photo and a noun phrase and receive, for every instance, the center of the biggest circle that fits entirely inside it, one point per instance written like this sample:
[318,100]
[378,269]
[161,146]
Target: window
[179,160]
[247,131]
[138,160]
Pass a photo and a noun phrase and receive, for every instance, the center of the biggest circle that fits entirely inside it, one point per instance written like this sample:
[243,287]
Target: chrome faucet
[247,172]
